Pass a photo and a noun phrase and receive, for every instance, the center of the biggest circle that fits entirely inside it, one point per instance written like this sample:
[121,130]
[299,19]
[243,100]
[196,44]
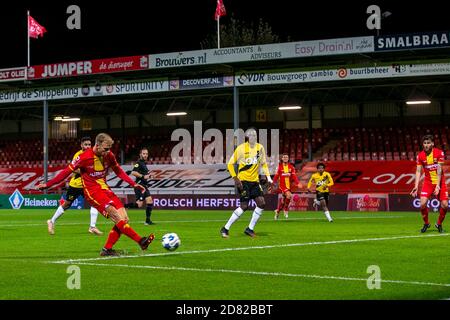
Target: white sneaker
[95,231]
[286,215]
[50,227]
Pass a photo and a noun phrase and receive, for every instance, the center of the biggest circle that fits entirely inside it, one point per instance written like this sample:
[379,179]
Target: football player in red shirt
[431,160]
[288,179]
[93,165]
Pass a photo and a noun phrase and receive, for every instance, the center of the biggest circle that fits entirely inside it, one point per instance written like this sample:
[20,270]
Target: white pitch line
[272,274]
[194,221]
[70,261]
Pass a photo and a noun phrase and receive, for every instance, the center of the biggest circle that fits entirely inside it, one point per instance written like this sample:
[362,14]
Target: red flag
[35,29]
[220,10]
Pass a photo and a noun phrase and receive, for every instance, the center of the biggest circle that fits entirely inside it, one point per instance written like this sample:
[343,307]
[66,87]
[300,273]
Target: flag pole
[218,32]
[28,38]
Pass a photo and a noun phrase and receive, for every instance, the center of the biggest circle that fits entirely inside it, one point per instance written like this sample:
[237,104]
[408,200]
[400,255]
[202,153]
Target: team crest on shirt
[251,161]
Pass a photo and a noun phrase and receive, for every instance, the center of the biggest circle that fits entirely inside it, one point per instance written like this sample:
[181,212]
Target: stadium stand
[336,144]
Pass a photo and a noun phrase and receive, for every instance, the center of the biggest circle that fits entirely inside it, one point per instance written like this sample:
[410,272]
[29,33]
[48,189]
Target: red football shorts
[284,190]
[428,189]
[101,199]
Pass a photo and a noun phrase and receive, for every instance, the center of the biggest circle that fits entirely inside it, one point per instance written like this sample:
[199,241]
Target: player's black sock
[148,211]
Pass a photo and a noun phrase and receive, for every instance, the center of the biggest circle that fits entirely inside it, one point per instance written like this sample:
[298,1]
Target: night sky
[113,29]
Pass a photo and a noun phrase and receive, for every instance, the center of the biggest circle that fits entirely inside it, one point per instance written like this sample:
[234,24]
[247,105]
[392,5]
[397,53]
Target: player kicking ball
[431,160]
[288,179]
[322,180]
[93,165]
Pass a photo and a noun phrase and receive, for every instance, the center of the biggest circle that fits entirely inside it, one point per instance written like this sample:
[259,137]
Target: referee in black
[141,172]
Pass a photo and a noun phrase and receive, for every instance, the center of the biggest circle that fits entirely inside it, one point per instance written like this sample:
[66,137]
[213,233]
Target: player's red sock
[287,201]
[113,237]
[442,213]
[280,204]
[127,230]
[425,215]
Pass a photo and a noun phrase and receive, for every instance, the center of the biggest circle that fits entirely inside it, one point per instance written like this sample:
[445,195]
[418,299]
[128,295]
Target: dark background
[122,28]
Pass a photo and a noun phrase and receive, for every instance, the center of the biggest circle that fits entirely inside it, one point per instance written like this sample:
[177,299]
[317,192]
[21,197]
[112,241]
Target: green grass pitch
[301,258]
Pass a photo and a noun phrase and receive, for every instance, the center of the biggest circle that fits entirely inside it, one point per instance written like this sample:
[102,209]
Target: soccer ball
[170,241]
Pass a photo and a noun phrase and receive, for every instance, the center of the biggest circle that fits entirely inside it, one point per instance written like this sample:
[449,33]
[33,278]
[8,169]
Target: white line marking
[272,274]
[247,248]
[44,223]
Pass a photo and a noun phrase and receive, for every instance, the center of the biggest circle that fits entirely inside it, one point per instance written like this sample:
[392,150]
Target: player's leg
[92,226]
[120,219]
[424,212]
[148,208]
[111,207]
[280,205]
[442,210]
[324,204]
[234,217]
[316,203]
[244,199]
[257,213]
[287,202]
[71,195]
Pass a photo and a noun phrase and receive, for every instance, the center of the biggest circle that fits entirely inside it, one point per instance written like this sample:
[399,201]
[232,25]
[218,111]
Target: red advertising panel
[12,74]
[369,176]
[88,67]
[24,179]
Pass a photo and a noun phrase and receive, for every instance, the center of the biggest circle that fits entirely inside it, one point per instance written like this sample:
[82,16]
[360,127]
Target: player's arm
[437,189]
[74,165]
[264,165]
[275,177]
[233,160]
[139,175]
[330,180]
[122,174]
[439,173]
[308,187]
[295,178]
[416,183]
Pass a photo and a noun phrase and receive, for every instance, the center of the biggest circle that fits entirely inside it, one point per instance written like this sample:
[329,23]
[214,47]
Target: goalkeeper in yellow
[322,181]
[250,156]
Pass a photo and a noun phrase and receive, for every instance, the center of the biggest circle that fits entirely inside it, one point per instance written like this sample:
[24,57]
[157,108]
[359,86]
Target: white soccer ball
[170,241]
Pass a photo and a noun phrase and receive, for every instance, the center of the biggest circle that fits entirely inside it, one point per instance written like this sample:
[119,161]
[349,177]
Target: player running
[431,160]
[75,190]
[322,180]
[288,179]
[249,156]
[141,172]
[94,165]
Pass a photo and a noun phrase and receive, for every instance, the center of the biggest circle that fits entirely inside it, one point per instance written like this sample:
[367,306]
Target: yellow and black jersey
[322,181]
[249,161]
[76,182]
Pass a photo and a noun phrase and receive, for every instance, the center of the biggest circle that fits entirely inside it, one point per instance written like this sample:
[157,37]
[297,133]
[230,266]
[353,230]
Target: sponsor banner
[404,202]
[81,68]
[200,202]
[181,179]
[244,78]
[368,202]
[262,52]
[12,74]
[369,176]
[304,202]
[84,91]
[28,201]
[201,83]
[413,41]
[349,177]
[334,46]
